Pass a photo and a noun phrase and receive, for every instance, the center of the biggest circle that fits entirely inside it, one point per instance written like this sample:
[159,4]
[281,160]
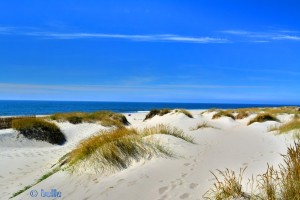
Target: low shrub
[39,129]
[75,119]
[263,117]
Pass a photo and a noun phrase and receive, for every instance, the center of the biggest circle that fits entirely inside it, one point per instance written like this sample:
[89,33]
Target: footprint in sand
[184,196]
[187,164]
[193,185]
[163,189]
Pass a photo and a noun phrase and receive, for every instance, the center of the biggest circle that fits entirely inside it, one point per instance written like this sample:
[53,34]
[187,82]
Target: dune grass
[281,184]
[39,129]
[106,118]
[164,111]
[223,113]
[230,187]
[263,117]
[117,149]
[167,130]
[290,126]
[187,113]
[159,112]
[242,113]
[201,126]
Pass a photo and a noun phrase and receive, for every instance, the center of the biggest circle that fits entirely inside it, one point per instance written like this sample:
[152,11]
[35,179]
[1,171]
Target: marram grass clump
[263,117]
[281,184]
[223,113]
[158,112]
[117,149]
[106,118]
[187,113]
[167,130]
[39,129]
[290,126]
[201,126]
[164,111]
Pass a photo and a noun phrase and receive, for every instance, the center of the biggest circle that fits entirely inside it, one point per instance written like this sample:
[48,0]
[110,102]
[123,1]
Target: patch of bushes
[39,129]
[223,113]
[106,118]
[283,183]
[263,117]
[75,119]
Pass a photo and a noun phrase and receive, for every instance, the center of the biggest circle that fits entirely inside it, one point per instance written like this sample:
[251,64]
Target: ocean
[13,108]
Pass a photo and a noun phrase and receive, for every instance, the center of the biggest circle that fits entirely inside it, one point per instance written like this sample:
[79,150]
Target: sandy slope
[231,144]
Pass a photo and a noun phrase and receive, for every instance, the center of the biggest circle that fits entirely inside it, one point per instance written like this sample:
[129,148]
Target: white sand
[231,144]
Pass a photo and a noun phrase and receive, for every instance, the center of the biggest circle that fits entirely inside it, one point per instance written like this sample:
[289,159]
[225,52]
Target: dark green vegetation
[164,111]
[39,129]
[106,118]
[263,117]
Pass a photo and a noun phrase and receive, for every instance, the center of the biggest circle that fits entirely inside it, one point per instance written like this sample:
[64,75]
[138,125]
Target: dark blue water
[8,108]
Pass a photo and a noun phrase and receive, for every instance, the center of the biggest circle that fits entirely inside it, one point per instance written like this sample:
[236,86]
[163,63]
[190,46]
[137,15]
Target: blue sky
[158,51]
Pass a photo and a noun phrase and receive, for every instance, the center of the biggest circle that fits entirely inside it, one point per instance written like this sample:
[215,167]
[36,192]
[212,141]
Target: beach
[223,143]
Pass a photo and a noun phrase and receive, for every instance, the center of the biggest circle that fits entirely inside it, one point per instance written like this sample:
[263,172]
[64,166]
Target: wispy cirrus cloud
[153,38]
[266,36]
[12,87]
[32,32]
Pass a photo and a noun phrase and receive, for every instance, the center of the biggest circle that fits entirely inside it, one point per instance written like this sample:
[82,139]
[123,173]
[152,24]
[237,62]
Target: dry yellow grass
[290,126]
[201,126]
[281,184]
[263,117]
[229,187]
[222,113]
[116,149]
[167,130]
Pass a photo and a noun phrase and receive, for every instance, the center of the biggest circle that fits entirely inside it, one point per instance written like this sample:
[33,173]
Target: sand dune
[227,144]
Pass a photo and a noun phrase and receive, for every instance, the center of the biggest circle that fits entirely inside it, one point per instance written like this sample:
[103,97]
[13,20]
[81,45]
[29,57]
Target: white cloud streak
[131,37]
[153,38]
[5,87]
[264,36]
